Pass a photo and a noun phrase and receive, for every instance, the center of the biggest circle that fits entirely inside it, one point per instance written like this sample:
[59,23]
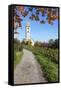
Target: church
[28,38]
[28,34]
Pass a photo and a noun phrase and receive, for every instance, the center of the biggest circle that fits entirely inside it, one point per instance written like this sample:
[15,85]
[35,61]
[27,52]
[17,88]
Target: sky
[38,31]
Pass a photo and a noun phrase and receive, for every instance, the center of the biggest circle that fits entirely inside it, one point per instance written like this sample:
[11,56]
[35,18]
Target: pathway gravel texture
[28,70]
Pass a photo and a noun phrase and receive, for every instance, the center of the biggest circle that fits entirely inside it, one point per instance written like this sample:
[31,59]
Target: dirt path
[28,70]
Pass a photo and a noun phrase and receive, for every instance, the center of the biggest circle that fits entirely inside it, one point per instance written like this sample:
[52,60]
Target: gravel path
[28,70]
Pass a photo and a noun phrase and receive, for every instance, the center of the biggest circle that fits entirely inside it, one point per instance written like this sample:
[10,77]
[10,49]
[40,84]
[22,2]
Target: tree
[37,43]
[17,45]
[53,43]
[56,43]
[51,13]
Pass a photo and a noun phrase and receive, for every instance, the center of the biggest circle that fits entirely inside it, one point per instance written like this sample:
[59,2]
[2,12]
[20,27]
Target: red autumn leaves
[51,14]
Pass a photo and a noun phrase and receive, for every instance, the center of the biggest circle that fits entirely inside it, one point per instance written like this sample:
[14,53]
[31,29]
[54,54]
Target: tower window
[27,31]
[27,28]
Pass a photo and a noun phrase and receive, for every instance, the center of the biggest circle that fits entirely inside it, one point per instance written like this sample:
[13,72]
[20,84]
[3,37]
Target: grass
[17,57]
[49,68]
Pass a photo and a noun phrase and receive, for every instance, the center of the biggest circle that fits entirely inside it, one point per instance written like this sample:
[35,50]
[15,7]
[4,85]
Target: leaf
[30,9]
[21,19]
[20,25]
[42,11]
[42,22]
[50,22]
[37,12]
[51,13]
[18,19]
[16,25]
[25,13]
[37,18]
[21,9]
[53,17]
[16,33]
[32,17]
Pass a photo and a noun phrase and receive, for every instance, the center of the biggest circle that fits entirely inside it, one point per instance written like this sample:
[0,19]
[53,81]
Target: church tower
[27,32]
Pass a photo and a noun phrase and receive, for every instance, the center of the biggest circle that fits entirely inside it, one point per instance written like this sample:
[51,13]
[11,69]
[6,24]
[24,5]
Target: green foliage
[38,44]
[29,42]
[49,68]
[17,45]
[48,59]
[17,57]
[51,44]
[17,51]
[46,56]
[50,53]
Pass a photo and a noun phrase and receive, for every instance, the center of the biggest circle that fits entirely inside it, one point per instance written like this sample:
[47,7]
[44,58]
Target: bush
[17,45]
[17,51]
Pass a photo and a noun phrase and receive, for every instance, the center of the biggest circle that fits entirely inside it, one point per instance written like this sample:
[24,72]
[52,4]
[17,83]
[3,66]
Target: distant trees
[27,42]
[18,46]
[51,44]
[37,43]
[56,43]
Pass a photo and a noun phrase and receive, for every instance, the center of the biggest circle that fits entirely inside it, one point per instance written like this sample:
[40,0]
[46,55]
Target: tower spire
[27,32]
[28,38]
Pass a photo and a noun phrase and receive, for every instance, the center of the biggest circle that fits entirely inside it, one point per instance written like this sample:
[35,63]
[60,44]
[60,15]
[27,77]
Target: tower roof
[27,24]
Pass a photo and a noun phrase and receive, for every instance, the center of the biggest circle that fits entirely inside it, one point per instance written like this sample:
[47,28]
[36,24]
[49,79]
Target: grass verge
[17,57]
[49,68]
